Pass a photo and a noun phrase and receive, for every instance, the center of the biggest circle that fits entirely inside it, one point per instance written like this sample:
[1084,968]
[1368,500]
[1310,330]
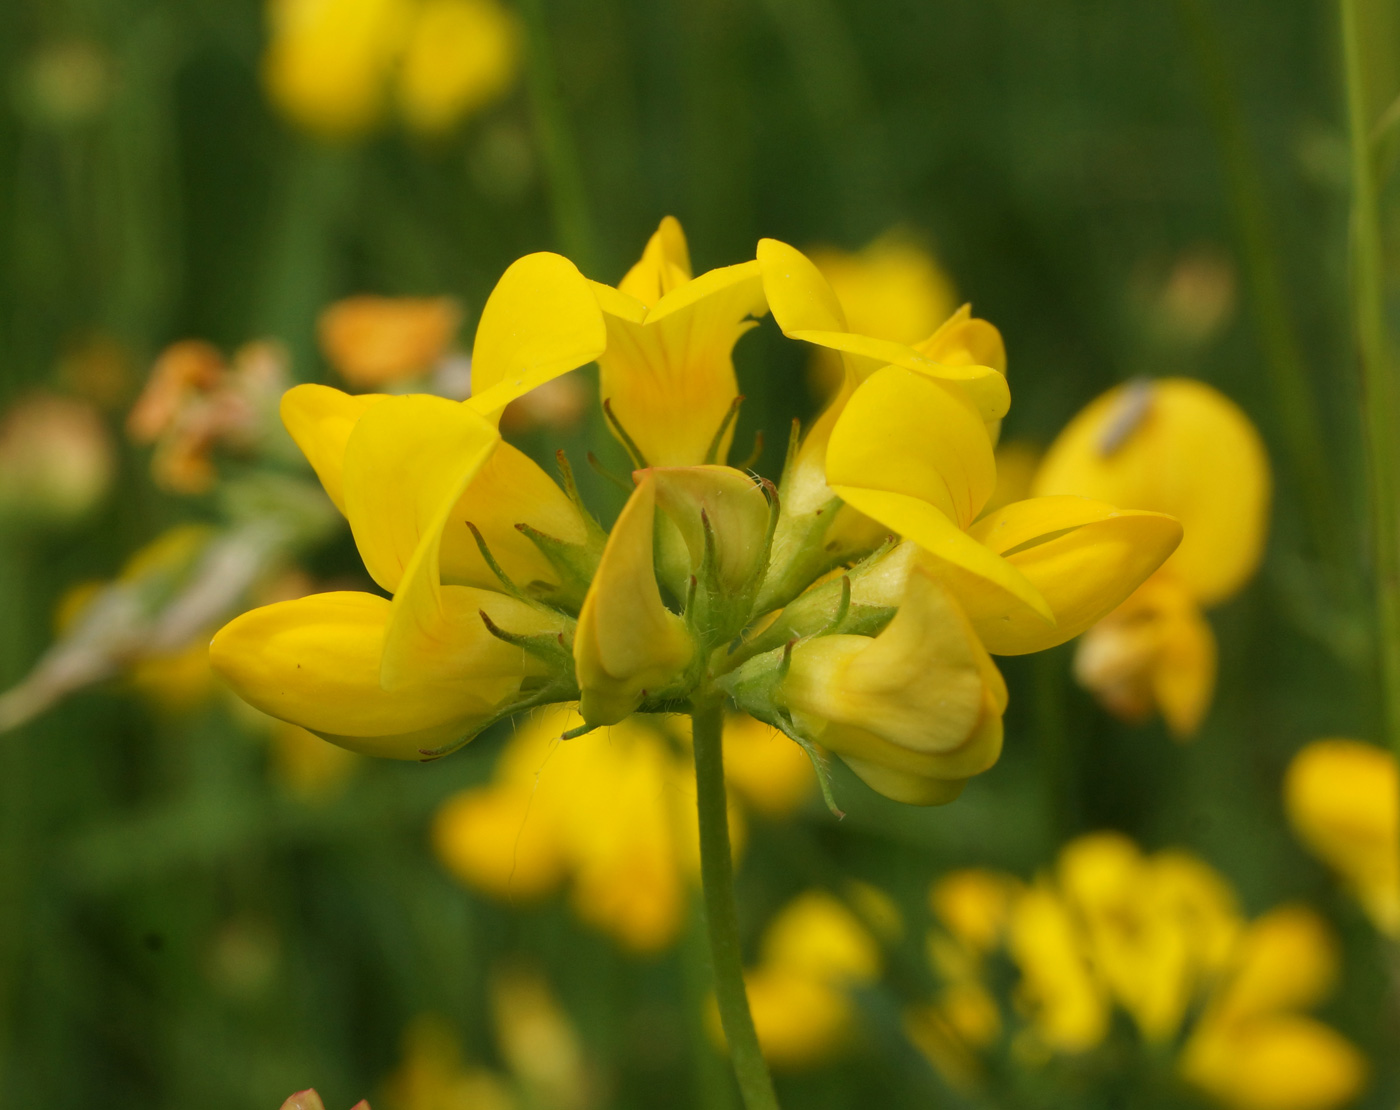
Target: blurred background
[199,909]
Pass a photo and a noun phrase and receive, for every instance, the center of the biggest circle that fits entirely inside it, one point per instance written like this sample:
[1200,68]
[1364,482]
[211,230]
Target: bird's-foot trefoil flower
[854,606]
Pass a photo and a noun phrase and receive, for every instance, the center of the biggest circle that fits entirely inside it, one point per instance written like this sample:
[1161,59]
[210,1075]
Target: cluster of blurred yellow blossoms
[1180,447]
[1159,938]
[1343,799]
[814,954]
[629,859]
[337,67]
[853,607]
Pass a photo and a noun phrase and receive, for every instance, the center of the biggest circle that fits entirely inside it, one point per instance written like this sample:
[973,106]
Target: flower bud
[915,711]
[628,644]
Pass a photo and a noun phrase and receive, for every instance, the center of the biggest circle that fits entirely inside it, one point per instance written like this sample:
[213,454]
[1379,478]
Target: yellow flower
[892,289]
[331,64]
[1173,446]
[1161,938]
[328,61]
[413,474]
[433,1076]
[612,814]
[914,711]
[310,1100]
[460,55]
[668,372]
[1343,800]
[812,954]
[373,341]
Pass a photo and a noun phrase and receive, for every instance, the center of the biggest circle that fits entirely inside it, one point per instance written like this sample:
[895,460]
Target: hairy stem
[721,915]
[1379,411]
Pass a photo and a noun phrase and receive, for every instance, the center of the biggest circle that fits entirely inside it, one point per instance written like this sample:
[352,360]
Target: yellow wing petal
[987,586]
[1083,557]
[320,420]
[541,320]
[315,662]
[407,463]
[664,265]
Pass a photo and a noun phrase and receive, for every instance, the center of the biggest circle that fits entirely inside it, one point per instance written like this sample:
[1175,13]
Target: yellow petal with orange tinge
[1082,557]
[1180,447]
[320,420]
[906,433]
[315,662]
[627,642]
[988,587]
[541,320]
[407,463]
[668,372]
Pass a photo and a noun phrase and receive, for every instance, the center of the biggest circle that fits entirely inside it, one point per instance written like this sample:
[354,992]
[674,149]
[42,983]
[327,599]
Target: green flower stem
[1379,410]
[1249,208]
[721,914]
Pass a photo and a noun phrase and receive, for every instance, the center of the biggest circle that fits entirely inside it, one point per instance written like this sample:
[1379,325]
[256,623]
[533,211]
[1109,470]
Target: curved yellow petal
[407,463]
[737,510]
[320,420]
[1180,447]
[965,340]
[627,641]
[510,489]
[1083,557]
[315,662]
[669,377]
[799,297]
[1279,1062]
[987,586]
[906,433]
[541,320]
[664,265]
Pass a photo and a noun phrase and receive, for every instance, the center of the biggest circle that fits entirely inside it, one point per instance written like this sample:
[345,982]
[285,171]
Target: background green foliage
[1052,153]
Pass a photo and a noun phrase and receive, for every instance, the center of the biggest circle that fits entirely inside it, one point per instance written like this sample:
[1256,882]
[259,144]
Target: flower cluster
[1156,938]
[855,606]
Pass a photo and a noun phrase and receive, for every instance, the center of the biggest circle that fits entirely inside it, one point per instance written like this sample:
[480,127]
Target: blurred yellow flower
[432,1075]
[1180,447]
[310,1100]
[334,67]
[612,813]
[891,289]
[539,1043]
[812,955]
[373,341]
[1160,938]
[307,766]
[1343,800]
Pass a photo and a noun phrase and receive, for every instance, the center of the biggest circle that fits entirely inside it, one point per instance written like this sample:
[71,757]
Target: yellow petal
[460,55]
[1184,678]
[627,641]
[1282,1062]
[315,662]
[1083,557]
[320,420]
[497,839]
[407,463]
[669,377]
[988,587]
[1287,959]
[1343,800]
[1179,447]
[664,265]
[906,433]
[510,489]
[541,320]
[806,308]
[964,340]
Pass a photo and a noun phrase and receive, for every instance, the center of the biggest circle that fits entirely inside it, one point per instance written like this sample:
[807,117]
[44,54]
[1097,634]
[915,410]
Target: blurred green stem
[713,1087]
[567,197]
[1249,209]
[1379,411]
[721,913]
